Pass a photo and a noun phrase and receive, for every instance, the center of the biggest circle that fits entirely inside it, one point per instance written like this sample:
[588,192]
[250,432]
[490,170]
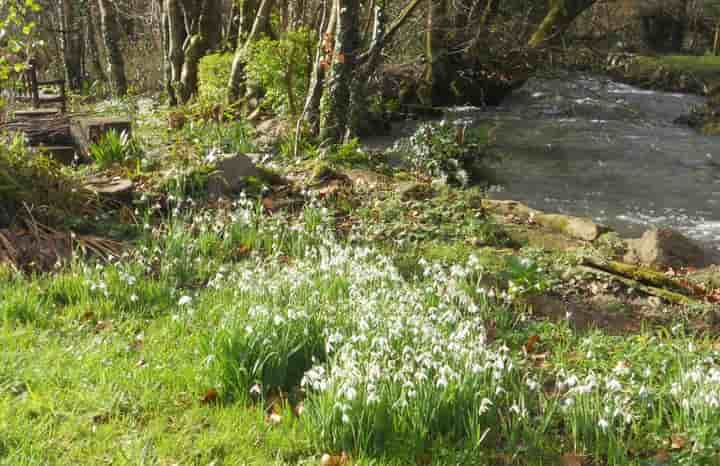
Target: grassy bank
[388,322]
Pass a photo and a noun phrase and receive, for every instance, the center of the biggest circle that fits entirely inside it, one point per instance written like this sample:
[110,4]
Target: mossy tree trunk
[335,105]
[204,20]
[92,46]
[237,85]
[560,16]
[436,52]
[111,39]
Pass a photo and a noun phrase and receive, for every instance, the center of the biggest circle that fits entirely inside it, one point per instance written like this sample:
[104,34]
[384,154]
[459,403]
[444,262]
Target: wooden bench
[31,90]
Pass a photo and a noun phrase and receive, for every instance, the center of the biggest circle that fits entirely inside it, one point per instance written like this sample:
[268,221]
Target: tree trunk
[336,99]
[110,34]
[311,112]
[92,45]
[364,73]
[204,22]
[436,52]
[237,82]
[176,35]
[561,15]
[71,44]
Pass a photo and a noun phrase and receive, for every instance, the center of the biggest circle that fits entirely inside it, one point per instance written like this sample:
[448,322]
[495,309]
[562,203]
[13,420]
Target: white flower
[603,424]
[184,300]
[134,298]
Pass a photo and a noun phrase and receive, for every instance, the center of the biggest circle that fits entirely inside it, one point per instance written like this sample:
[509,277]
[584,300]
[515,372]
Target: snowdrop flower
[603,424]
[184,300]
[134,298]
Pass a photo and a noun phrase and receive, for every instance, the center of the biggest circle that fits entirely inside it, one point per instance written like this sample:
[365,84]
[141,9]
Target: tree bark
[561,15]
[336,98]
[237,82]
[110,34]
[92,45]
[436,51]
[176,35]
[204,21]
[311,112]
[71,44]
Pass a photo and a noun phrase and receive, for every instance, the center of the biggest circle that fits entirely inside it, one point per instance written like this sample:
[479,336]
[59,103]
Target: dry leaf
[211,396]
[532,342]
[268,203]
[677,442]
[572,459]
[298,409]
[334,460]
[662,456]
[273,418]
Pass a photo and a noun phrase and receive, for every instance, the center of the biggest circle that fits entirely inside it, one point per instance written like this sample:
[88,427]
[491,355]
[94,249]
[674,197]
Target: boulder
[510,208]
[575,227]
[665,248]
[231,171]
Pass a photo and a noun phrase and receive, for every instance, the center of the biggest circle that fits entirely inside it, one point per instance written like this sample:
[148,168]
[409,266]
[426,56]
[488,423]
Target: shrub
[214,74]
[282,68]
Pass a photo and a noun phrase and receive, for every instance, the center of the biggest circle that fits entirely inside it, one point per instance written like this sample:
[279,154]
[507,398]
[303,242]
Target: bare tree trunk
[176,38]
[334,115]
[311,113]
[365,71]
[92,45]
[110,34]
[71,44]
[205,26]
[237,82]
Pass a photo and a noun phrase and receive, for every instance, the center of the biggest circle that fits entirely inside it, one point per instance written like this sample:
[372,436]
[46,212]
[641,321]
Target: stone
[111,189]
[665,248]
[367,178]
[271,131]
[510,208]
[575,227]
[231,171]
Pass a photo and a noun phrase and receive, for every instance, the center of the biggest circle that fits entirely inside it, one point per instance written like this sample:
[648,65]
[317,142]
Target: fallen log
[667,295]
[640,274]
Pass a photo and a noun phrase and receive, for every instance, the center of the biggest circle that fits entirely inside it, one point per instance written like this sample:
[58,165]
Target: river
[588,146]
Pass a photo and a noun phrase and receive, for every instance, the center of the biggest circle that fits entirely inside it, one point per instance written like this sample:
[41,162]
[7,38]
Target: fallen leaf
[531,343]
[211,396]
[572,459]
[334,460]
[662,456]
[274,418]
[677,442]
[268,203]
[298,409]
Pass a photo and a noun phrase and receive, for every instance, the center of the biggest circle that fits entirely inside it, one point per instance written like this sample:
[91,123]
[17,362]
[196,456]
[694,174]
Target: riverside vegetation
[331,314]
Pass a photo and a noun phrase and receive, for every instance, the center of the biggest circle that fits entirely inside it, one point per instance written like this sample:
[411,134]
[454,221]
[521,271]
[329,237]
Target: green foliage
[230,138]
[33,181]
[114,148]
[452,154]
[282,68]
[17,32]
[214,74]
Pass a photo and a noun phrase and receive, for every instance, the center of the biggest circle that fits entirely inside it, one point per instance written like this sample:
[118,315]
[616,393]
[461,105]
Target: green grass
[391,367]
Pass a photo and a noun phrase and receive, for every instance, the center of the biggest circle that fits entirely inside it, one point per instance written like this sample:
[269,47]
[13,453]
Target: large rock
[112,189]
[230,172]
[665,248]
[575,227]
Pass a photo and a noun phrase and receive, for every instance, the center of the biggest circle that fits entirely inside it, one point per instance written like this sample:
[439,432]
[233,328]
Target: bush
[447,152]
[214,74]
[282,68]
[33,181]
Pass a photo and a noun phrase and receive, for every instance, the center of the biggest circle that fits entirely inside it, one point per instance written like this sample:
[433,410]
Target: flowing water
[592,147]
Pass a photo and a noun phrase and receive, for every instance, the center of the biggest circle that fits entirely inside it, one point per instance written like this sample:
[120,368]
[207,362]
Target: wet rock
[510,208]
[231,171]
[575,227]
[665,248]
